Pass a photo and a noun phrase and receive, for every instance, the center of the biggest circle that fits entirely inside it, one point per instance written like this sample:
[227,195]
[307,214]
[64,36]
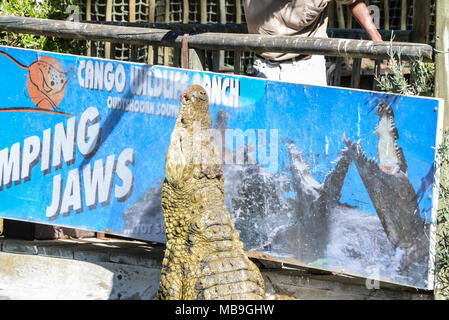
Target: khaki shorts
[311,71]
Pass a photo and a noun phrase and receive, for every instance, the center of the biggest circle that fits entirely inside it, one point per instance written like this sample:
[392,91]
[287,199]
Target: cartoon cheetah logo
[46,82]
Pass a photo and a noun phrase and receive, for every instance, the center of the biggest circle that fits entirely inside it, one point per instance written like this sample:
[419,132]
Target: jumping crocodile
[204,258]
[314,202]
[390,190]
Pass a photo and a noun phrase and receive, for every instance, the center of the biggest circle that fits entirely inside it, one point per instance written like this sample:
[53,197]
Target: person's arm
[360,12]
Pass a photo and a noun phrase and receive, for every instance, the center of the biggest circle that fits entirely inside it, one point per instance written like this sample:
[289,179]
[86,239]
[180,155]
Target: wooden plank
[215,41]
[295,285]
[421,21]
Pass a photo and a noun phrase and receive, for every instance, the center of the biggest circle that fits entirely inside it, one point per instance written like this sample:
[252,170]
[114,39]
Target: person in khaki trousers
[297,18]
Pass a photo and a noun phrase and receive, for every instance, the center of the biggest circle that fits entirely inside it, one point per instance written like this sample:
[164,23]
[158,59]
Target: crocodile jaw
[387,146]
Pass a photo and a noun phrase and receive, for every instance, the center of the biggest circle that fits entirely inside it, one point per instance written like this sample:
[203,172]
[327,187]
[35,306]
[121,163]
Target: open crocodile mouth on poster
[332,178]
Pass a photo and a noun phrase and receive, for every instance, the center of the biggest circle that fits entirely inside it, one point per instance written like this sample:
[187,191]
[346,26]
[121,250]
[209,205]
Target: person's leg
[265,69]
[311,71]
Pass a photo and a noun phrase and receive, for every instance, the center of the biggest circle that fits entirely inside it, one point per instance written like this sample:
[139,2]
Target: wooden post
[167,11]
[376,73]
[219,55]
[349,16]
[151,17]
[442,55]
[132,10]
[203,20]
[185,11]
[88,17]
[107,45]
[238,11]
[356,68]
[340,16]
[442,91]
[167,20]
[196,59]
[177,55]
[132,18]
[237,53]
[421,21]
[203,11]
[330,13]
[387,15]
[337,74]
[404,8]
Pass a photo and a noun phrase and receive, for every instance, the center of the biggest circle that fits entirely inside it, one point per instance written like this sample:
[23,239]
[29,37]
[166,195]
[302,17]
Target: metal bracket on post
[185,51]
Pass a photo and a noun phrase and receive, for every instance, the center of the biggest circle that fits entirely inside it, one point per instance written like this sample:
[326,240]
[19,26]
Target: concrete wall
[66,269]
[119,269]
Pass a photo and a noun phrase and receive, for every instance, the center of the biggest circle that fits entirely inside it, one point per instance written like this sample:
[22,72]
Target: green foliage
[420,83]
[442,246]
[42,9]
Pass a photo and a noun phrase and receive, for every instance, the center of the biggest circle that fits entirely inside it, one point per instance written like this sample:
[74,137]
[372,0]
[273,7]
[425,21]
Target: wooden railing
[197,38]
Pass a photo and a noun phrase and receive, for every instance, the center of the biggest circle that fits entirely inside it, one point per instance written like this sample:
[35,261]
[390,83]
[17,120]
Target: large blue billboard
[334,178]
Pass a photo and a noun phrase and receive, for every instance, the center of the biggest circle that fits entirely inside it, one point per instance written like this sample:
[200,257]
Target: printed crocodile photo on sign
[335,179]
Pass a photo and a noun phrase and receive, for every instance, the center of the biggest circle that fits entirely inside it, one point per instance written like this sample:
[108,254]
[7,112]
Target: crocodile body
[314,202]
[204,258]
[389,188]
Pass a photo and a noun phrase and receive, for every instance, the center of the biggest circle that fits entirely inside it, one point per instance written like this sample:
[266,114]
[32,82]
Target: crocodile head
[192,152]
[194,108]
[384,109]
[391,158]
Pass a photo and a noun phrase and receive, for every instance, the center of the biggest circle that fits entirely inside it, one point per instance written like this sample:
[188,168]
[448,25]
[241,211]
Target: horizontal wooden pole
[214,41]
[397,35]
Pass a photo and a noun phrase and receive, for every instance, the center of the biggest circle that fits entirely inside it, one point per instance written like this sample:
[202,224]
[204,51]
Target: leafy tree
[43,9]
